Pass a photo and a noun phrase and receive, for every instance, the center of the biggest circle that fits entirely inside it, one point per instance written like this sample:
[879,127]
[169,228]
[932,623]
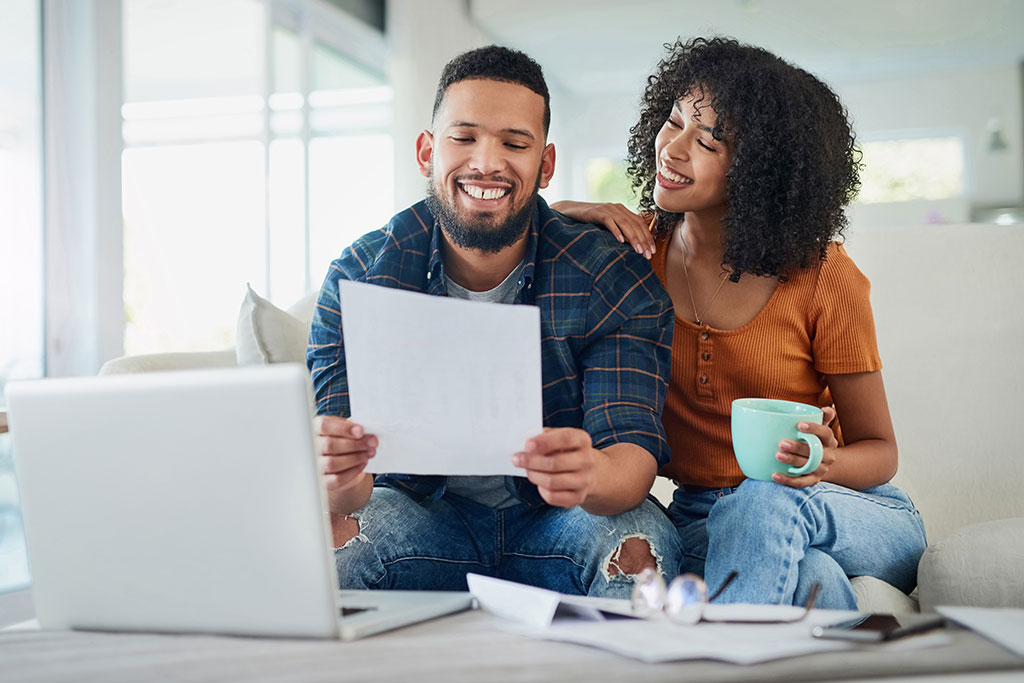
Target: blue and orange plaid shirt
[606,329]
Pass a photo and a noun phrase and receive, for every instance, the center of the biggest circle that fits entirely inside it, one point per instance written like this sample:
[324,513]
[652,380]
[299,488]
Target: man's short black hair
[495,63]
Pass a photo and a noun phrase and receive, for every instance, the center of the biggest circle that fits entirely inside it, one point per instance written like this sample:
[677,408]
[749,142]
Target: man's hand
[345,449]
[561,462]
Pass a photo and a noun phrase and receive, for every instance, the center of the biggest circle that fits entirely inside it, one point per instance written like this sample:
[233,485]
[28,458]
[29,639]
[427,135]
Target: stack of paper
[598,622]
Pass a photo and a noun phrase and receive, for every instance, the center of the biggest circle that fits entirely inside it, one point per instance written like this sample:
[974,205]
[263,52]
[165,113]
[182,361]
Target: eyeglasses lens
[685,599]
[648,593]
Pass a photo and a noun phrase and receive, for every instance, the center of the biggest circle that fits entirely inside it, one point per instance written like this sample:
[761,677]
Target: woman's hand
[620,221]
[795,453]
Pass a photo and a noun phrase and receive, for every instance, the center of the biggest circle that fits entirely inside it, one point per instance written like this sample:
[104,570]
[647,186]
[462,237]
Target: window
[251,155]
[606,181]
[339,138]
[21,260]
[912,169]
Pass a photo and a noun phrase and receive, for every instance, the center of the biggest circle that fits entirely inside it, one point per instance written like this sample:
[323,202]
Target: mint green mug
[759,424]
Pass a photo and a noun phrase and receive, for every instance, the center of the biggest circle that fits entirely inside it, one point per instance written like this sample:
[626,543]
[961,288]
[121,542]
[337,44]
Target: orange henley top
[817,323]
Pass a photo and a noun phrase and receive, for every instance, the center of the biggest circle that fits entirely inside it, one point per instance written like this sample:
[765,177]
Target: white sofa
[949,313]
[950,320]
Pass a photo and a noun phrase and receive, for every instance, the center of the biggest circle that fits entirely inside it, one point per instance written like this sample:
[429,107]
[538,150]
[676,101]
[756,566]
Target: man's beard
[480,235]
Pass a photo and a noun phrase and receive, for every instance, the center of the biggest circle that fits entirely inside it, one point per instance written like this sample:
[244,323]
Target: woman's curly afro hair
[794,165]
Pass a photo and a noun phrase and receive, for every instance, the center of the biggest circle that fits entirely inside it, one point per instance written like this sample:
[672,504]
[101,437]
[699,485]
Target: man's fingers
[557,462]
[557,482]
[342,471]
[328,425]
[572,481]
[333,464]
[540,479]
[342,479]
[333,445]
[561,499]
[555,440]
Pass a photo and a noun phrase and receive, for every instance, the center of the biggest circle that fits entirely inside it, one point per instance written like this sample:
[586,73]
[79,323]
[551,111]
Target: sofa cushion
[267,334]
[875,595]
[977,566]
[303,308]
[163,362]
[949,336]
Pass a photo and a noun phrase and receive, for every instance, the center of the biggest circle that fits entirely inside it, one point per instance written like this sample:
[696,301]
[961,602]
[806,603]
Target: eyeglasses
[685,599]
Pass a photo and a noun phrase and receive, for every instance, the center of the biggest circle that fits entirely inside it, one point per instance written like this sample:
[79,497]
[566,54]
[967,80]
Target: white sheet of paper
[660,640]
[448,386]
[536,607]
[1002,625]
[29,625]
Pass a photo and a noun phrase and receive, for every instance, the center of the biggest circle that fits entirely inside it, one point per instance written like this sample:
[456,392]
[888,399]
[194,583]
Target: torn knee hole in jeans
[633,555]
[346,530]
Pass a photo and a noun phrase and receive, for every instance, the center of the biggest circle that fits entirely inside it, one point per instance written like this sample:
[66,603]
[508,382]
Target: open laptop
[187,502]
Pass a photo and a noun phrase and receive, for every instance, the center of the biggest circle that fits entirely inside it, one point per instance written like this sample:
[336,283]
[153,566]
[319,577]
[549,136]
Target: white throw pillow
[977,566]
[266,334]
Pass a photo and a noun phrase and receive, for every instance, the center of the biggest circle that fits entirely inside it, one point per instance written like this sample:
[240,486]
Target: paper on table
[537,611]
[536,607]
[659,640]
[1002,625]
[448,386]
[28,625]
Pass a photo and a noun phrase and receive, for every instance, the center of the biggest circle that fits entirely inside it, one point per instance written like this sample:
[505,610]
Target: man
[578,521]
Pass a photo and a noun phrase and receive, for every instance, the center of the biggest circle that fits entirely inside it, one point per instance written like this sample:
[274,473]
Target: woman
[743,164]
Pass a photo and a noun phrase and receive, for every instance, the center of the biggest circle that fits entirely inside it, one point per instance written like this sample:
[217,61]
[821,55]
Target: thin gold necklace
[686,275]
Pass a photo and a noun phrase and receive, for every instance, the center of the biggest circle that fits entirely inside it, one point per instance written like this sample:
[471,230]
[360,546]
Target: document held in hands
[448,386]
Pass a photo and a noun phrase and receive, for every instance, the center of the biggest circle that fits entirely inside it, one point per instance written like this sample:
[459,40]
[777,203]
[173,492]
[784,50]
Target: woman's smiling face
[691,163]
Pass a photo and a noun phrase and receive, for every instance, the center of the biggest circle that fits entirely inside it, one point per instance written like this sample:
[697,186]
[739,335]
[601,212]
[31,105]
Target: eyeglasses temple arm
[812,596]
[725,584]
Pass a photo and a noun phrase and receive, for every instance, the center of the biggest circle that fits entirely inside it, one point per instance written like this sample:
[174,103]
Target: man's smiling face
[486,158]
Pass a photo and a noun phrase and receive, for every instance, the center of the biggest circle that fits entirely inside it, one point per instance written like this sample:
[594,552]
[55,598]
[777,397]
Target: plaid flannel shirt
[606,329]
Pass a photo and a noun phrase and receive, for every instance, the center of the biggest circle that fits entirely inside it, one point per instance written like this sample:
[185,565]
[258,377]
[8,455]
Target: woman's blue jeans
[406,545]
[781,540]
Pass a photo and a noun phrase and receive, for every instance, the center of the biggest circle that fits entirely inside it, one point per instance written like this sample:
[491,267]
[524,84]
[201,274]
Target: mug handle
[815,458]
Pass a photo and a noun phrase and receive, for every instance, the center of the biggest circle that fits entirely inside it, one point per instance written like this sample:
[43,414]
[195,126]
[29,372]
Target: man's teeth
[480,193]
[675,177]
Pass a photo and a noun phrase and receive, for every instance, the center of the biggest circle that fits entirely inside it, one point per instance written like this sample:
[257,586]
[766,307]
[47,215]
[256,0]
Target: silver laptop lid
[179,501]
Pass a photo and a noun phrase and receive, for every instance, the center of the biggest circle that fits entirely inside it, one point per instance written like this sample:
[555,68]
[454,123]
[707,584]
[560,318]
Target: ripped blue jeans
[406,545]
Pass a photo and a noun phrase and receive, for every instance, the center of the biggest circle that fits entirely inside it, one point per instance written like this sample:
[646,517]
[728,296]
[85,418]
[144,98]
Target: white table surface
[467,647]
